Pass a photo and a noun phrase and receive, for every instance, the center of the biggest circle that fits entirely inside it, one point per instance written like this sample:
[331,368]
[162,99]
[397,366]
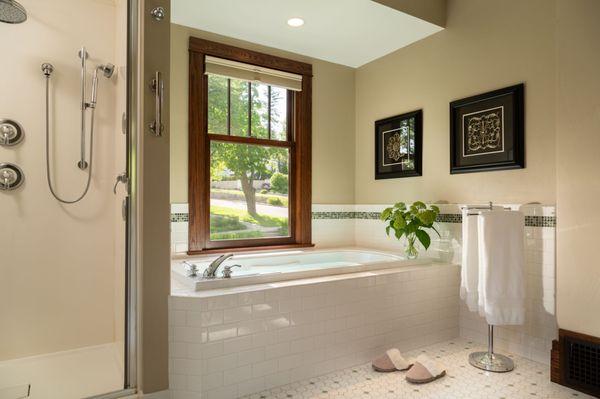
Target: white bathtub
[265,267]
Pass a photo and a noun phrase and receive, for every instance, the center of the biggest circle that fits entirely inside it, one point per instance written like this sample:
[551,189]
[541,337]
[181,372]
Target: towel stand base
[490,361]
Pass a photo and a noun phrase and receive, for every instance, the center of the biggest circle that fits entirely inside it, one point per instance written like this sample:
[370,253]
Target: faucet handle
[191,268]
[227,270]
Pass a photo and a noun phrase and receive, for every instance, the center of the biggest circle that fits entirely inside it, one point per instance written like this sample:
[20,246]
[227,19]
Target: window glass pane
[239,107]
[248,191]
[260,110]
[278,113]
[217,104]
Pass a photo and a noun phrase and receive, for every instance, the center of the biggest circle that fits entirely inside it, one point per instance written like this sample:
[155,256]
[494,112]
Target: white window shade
[252,73]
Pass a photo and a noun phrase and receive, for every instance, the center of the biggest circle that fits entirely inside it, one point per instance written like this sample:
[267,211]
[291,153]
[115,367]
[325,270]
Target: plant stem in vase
[410,250]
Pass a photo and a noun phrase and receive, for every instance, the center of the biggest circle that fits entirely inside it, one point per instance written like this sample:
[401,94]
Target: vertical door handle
[158,88]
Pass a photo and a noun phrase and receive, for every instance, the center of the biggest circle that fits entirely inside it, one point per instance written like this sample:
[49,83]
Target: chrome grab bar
[83,55]
[158,88]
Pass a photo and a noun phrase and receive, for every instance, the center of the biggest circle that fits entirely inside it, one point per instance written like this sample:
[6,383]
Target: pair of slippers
[420,370]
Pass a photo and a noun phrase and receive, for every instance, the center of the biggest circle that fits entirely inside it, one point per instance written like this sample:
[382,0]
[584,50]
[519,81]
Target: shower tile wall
[233,344]
[358,225]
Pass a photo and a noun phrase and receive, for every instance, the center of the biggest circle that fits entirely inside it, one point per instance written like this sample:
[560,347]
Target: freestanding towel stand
[489,360]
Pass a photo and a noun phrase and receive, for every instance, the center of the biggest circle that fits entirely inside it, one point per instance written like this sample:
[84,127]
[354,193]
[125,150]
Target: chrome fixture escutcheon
[11,176]
[158,13]
[11,133]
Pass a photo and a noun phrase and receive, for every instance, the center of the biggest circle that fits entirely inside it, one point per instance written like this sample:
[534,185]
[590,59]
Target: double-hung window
[249,149]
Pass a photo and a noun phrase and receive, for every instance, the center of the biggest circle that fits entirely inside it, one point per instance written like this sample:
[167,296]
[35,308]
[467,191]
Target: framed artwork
[399,146]
[487,131]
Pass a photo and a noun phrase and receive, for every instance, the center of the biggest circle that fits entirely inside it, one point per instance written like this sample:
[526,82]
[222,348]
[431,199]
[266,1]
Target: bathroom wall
[578,187]
[57,263]
[333,120]
[486,45]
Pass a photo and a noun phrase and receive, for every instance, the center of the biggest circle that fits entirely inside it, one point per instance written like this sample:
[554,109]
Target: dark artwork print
[398,142]
[487,131]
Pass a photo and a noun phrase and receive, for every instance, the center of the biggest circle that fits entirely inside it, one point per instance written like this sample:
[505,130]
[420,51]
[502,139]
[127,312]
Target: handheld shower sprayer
[107,71]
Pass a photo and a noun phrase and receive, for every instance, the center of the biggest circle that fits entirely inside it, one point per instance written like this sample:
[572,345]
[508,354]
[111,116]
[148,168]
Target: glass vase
[410,250]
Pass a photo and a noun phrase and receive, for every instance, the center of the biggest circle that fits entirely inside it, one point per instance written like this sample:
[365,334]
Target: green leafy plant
[279,183]
[274,201]
[412,223]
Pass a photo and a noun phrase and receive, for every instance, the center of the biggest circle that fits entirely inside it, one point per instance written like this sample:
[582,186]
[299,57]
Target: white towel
[501,267]
[469,271]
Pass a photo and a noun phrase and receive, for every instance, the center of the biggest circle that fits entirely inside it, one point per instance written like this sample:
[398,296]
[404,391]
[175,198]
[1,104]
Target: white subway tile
[250,298]
[228,392]
[237,375]
[223,331]
[262,310]
[250,327]
[205,319]
[222,363]
[277,350]
[237,313]
[236,345]
[190,334]
[251,356]
[264,368]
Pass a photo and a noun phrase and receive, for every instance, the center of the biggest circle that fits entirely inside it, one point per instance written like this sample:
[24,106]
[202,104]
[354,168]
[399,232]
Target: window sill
[250,249]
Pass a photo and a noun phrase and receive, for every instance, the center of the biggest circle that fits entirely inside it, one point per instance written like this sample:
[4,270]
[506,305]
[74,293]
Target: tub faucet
[211,270]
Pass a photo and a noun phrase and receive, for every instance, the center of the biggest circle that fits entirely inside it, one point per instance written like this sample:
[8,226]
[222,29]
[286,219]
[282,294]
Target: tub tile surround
[232,342]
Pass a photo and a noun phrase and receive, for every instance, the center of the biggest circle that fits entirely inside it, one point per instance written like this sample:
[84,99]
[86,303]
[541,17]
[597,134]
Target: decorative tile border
[531,221]
[180,217]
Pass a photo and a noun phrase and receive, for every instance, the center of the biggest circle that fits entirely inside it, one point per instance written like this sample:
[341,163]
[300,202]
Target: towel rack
[489,360]
[480,208]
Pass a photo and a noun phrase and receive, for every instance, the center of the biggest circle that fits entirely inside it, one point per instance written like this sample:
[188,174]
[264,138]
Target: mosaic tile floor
[528,380]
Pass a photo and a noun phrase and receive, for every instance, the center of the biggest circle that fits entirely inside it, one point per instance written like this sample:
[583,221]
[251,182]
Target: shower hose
[48,174]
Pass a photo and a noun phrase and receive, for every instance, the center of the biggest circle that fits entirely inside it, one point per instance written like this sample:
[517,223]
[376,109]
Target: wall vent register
[576,362]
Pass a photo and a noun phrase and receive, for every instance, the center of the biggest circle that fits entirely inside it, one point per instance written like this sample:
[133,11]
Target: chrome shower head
[11,12]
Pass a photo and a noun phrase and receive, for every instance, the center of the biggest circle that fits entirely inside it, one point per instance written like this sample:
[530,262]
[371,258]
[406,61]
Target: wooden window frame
[300,144]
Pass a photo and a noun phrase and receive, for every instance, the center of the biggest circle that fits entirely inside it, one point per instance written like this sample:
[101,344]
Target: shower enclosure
[68,311]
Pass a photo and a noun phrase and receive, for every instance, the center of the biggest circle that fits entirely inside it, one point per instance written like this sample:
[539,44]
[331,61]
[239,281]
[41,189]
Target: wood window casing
[299,144]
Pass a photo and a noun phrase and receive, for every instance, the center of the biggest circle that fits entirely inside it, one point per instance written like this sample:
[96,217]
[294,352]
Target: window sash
[288,116]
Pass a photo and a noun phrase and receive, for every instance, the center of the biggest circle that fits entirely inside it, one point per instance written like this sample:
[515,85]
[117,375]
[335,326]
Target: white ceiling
[347,32]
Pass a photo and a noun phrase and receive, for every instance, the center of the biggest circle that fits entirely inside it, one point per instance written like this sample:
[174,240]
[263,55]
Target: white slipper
[391,360]
[425,370]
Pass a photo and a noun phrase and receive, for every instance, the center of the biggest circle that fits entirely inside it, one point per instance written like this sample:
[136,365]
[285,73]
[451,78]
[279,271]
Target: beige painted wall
[57,271]
[333,120]
[486,45]
[578,164]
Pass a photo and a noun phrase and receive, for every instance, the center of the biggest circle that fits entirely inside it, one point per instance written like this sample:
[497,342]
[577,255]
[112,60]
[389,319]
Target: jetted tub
[266,267]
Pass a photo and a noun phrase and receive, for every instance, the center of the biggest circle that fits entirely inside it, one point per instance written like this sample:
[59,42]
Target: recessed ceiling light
[295,22]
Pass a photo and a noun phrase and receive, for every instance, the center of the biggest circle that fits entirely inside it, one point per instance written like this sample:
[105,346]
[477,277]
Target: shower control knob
[11,176]
[11,133]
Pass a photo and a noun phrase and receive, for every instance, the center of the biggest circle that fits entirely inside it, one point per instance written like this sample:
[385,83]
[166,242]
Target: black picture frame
[404,135]
[494,123]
